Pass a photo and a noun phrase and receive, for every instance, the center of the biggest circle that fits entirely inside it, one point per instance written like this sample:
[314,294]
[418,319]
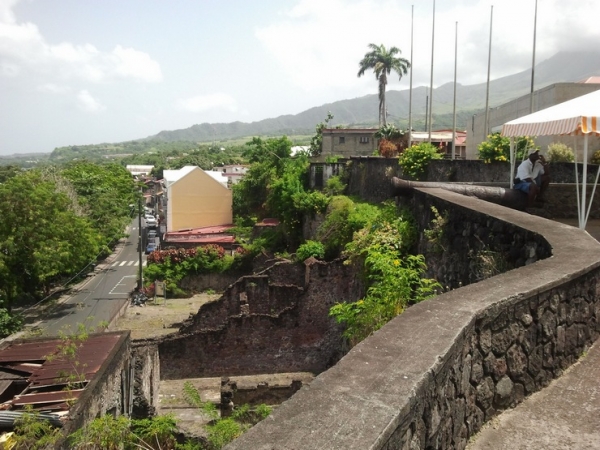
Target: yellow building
[194,199]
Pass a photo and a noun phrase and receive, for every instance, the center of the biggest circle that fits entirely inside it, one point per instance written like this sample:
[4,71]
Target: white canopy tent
[577,117]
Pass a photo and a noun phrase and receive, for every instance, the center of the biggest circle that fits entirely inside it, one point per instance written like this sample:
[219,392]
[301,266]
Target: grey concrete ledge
[420,382]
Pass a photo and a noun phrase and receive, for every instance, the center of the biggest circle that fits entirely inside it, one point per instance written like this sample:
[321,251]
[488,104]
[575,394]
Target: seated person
[533,177]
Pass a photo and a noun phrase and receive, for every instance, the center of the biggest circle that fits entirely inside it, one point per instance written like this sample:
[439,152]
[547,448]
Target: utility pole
[487,90]
[140,284]
[431,77]
[533,61]
[412,15]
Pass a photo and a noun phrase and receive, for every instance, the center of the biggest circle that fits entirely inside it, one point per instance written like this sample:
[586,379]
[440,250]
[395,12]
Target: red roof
[40,364]
[206,235]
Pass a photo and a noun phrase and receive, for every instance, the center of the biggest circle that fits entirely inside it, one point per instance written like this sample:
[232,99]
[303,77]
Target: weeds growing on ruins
[394,276]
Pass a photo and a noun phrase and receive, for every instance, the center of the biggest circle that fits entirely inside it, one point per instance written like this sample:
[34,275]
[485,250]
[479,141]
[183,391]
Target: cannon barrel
[510,198]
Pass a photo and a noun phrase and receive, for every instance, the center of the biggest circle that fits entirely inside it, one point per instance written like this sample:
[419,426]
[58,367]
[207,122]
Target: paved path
[565,415]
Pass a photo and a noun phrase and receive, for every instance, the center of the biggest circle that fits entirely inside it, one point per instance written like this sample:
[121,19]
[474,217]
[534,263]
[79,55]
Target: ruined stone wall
[202,282]
[107,393]
[276,321]
[146,380]
[433,375]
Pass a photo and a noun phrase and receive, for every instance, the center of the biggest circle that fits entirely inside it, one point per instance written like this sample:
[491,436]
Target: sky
[79,72]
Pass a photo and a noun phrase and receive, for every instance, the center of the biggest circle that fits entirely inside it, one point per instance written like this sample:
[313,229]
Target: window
[342,140]
[364,140]
[318,177]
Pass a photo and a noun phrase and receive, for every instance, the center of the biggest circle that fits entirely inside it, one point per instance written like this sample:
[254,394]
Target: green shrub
[334,186]
[414,160]
[395,278]
[559,152]
[497,148]
[596,157]
[223,432]
[343,218]
[34,433]
[9,324]
[310,248]
[159,430]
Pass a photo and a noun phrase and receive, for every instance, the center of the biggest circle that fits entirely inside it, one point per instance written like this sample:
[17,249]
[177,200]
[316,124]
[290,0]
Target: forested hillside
[362,111]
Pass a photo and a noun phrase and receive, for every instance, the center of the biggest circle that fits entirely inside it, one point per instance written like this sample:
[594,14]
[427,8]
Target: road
[103,295]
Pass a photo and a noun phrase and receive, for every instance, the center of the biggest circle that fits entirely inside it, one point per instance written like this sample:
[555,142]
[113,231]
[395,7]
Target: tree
[105,191]
[383,61]
[43,237]
[316,143]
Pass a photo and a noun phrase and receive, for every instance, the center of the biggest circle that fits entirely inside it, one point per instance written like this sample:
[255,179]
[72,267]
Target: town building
[519,107]
[192,198]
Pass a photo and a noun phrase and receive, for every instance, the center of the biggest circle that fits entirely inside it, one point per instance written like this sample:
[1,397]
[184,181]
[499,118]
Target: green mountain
[362,111]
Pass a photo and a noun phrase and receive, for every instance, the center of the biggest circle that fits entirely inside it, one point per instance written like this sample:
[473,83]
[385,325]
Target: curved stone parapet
[432,376]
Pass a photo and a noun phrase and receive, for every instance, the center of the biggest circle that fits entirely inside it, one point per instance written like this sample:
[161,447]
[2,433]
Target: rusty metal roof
[205,235]
[43,370]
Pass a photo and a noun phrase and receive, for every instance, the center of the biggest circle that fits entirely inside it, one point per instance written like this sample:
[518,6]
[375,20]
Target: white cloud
[88,103]
[53,88]
[9,70]
[24,47]
[6,14]
[203,103]
[135,64]
[319,44]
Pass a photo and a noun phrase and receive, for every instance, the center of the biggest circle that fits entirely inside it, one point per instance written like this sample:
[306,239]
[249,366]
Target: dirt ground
[160,318]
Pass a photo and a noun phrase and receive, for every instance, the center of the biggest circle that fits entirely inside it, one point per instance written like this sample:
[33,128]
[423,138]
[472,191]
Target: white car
[151,221]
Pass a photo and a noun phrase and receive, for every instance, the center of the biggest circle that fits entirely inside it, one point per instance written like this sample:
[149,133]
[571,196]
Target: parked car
[151,235]
[150,247]
[151,222]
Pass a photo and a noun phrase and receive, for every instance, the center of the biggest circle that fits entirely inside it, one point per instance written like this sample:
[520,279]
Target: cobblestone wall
[432,376]
[368,179]
[462,246]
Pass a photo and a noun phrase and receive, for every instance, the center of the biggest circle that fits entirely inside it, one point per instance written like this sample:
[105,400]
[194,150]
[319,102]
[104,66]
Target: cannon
[511,198]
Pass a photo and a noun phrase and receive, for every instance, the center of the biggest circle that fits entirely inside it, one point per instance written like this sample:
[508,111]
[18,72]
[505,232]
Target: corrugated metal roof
[206,235]
[44,369]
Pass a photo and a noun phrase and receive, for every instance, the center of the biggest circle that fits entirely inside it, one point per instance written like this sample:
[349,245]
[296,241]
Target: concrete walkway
[565,415]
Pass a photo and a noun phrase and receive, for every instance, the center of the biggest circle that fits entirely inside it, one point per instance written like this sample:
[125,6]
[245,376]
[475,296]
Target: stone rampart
[368,177]
[432,376]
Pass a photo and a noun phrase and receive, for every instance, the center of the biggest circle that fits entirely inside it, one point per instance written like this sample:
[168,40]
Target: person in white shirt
[533,177]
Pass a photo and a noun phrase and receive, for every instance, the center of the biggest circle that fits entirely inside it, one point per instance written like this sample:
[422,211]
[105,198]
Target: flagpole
[454,106]
[533,60]
[431,77]
[412,18]
[487,91]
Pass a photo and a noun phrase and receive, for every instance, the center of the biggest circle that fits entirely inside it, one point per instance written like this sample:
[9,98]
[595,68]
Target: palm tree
[383,61]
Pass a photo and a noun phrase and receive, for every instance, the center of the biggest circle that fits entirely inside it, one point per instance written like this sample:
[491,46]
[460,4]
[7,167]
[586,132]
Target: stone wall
[202,282]
[368,178]
[107,393]
[275,321]
[146,380]
[432,376]
[463,247]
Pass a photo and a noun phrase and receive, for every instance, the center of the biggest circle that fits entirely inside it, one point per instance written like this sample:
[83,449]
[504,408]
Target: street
[103,295]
